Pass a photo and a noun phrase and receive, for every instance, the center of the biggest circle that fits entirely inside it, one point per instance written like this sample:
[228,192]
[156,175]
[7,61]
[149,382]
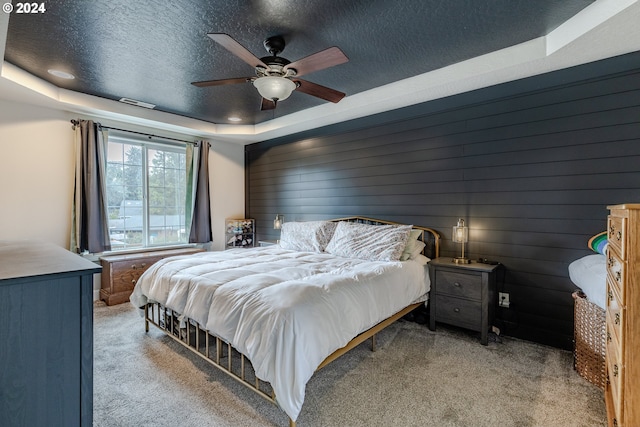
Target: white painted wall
[36,174]
[226,177]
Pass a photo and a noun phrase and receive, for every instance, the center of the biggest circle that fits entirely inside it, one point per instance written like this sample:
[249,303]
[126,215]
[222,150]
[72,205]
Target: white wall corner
[586,20]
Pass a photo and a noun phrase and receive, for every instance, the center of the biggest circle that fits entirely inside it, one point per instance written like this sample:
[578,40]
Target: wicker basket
[590,340]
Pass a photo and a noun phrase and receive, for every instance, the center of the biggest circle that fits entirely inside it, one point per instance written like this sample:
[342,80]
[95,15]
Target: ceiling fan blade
[226,41]
[318,61]
[208,83]
[267,104]
[319,91]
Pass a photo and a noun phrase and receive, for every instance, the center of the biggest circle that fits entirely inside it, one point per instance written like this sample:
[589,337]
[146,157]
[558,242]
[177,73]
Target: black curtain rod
[147,134]
[76,122]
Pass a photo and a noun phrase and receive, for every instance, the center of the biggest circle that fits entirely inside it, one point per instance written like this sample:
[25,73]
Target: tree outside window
[146,190]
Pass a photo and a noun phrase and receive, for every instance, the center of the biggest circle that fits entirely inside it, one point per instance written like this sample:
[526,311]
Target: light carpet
[417,377]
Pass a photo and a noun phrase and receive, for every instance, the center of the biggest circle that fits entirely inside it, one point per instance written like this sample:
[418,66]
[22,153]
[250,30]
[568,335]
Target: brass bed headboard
[430,237]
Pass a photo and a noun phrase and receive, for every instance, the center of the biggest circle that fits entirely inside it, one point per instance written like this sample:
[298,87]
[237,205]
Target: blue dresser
[46,335]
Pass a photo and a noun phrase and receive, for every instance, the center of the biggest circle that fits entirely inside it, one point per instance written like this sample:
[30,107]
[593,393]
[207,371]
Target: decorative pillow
[308,236]
[599,243]
[410,247]
[416,249]
[370,242]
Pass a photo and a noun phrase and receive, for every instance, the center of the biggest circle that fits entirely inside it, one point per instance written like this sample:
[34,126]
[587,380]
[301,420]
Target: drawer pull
[612,229]
[617,321]
[615,422]
[608,336]
[610,262]
[456,310]
[618,276]
[610,295]
[456,284]
[615,370]
[619,235]
[133,281]
[133,267]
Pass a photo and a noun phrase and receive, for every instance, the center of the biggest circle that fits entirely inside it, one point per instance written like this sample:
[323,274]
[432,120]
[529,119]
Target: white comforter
[286,311]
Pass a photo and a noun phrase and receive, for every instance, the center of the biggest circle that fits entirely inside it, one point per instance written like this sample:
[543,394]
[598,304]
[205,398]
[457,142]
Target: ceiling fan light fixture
[274,88]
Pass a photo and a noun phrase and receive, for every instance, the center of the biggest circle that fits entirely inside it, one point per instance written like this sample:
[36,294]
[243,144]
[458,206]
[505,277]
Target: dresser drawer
[615,312]
[125,274]
[614,343]
[615,375]
[616,274]
[459,312]
[459,284]
[617,234]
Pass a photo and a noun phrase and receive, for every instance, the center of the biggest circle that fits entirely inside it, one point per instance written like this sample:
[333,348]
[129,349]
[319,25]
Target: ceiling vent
[137,103]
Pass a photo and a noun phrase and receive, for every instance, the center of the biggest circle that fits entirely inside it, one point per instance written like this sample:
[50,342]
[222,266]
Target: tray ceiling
[152,51]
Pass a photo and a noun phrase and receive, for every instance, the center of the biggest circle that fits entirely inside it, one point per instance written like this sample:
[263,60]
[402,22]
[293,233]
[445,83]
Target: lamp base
[460,260]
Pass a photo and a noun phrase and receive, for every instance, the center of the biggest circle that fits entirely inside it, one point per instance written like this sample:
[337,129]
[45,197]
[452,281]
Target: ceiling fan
[276,77]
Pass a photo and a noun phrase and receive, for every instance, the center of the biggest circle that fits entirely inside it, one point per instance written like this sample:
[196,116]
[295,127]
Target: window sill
[146,250]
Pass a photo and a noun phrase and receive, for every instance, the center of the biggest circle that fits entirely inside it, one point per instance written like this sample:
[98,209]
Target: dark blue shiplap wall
[530,165]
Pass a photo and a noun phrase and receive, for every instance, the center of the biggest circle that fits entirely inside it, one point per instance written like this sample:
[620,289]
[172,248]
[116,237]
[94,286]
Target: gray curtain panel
[200,231]
[90,231]
[192,171]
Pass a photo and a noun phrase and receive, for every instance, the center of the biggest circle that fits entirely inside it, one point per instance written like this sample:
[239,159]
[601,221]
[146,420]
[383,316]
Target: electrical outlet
[503,299]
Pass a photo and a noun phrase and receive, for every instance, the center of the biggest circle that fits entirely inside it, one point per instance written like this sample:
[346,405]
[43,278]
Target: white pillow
[589,273]
[412,245]
[412,250]
[307,236]
[370,242]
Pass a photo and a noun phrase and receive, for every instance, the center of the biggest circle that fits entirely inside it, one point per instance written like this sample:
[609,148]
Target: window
[146,191]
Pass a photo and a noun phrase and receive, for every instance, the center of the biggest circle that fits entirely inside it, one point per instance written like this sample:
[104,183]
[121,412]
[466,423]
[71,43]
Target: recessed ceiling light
[61,74]
[234,119]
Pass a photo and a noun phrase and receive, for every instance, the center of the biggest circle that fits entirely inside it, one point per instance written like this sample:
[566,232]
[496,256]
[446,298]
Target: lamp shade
[277,223]
[274,88]
[460,232]
[460,235]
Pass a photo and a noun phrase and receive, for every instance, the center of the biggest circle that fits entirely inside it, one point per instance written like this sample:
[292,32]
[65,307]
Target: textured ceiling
[152,51]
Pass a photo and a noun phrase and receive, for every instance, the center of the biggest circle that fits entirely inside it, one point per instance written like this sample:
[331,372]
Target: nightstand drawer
[459,284]
[458,312]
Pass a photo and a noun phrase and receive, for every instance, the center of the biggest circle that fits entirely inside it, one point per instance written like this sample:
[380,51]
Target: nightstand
[463,295]
[263,243]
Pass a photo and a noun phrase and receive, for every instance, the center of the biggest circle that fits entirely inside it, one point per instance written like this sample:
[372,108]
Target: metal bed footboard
[221,354]
[211,348]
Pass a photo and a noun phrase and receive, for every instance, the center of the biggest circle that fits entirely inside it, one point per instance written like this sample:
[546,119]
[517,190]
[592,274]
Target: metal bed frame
[225,357]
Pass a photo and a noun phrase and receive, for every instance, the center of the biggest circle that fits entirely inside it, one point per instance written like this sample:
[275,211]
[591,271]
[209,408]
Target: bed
[272,316]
